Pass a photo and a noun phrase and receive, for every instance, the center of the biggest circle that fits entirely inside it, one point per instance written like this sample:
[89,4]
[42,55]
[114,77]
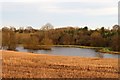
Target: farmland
[28,65]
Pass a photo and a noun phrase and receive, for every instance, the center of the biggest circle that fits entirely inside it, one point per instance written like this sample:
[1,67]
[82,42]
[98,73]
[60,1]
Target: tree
[21,30]
[46,40]
[29,29]
[97,39]
[84,40]
[116,27]
[32,42]
[67,39]
[8,39]
[85,28]
[47,27]
[115,42]
[12,28]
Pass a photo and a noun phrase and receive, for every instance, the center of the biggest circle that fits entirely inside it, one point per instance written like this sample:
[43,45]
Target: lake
[70,51]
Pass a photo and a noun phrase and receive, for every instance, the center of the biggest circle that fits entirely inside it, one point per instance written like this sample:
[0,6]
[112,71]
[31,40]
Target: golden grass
[28,65]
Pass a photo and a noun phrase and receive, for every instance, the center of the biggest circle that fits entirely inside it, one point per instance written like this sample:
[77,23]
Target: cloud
[104,11]
[52,7]
[85,11]
[42,10]
[27,1]
[85,1]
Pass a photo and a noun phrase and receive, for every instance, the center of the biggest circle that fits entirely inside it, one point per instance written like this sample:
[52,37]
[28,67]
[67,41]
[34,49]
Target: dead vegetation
[27,65]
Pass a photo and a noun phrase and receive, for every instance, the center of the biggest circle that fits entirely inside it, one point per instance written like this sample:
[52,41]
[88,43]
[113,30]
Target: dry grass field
[28,65]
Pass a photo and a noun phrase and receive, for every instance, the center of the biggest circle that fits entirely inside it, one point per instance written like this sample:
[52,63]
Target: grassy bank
[107,50]
[28,65]
[76,46]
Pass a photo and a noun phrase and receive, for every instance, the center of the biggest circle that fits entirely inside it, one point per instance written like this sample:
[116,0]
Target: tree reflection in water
[100,55]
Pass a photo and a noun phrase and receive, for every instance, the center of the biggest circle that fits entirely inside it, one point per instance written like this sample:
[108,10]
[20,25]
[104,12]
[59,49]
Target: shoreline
[28,65]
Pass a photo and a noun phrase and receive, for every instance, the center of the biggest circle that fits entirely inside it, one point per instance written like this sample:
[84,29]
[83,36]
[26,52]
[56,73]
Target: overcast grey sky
[60,13]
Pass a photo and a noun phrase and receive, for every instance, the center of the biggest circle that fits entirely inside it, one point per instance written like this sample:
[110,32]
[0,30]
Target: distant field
[28,65]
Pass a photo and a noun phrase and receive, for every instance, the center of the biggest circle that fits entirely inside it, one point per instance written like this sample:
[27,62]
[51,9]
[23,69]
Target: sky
[60,13]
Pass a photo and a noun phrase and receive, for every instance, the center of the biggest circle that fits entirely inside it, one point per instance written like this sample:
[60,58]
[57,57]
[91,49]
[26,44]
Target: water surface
[66,51]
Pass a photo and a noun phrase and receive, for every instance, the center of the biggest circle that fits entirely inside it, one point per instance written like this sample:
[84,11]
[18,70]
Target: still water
[65,51]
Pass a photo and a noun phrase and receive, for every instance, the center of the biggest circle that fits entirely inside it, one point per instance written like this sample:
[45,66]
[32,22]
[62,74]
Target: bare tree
[46,40]
[47,26]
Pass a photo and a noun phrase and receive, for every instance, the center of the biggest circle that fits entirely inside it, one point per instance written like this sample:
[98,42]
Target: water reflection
[100,55]
[65,51]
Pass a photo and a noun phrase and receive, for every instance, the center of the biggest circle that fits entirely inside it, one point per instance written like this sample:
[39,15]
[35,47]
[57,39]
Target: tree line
[47,35]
